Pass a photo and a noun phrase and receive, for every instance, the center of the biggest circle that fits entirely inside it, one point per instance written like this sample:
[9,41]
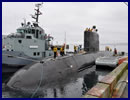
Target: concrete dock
[113,85]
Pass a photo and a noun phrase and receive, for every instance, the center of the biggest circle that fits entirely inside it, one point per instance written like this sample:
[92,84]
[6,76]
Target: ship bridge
[31,31]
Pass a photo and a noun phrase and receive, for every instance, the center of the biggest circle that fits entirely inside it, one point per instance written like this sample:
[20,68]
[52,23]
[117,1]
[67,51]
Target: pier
[113,85]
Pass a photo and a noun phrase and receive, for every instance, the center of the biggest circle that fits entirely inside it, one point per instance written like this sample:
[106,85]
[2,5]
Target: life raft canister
[122,59]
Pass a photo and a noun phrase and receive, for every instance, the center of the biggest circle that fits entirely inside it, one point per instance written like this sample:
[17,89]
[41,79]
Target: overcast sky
[111,19]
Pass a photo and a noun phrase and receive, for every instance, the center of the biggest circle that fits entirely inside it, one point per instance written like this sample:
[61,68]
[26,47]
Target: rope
[22,58]
[36,90]
[41,78]
[41,71]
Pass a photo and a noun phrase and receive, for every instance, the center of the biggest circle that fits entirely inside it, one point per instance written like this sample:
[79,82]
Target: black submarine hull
[36,75]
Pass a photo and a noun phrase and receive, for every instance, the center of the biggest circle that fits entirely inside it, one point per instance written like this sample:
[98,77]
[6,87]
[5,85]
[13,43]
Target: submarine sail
[91,40]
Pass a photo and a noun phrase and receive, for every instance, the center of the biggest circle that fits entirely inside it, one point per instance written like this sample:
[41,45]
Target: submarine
[34,77]
[38,75]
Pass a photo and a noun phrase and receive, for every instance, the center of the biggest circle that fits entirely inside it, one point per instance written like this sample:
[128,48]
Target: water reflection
[55,93]
[74,88]
[89,81]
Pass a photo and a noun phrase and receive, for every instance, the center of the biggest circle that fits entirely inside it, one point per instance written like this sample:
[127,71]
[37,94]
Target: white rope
[36,90]
[22,58]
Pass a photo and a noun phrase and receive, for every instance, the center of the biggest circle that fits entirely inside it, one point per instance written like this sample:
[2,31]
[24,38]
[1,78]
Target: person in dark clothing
[55,52]
[115,51]
[75,49]
[61,51]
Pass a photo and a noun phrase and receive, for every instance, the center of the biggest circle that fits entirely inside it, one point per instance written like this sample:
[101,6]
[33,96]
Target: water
[75,87]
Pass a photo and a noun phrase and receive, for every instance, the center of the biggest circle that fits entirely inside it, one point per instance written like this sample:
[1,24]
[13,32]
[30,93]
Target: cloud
[111,19]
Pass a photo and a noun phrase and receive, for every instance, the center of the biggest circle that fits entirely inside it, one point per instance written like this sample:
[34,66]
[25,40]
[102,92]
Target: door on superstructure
[43,54]
[37,34]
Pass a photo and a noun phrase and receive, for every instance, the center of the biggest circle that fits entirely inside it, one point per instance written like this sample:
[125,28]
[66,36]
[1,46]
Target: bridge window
[29,31]
[37,33]
[28,37]
[25,31]
[33,31]
[20,30]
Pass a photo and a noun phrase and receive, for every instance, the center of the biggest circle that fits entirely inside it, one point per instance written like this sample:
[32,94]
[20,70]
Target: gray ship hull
[10,62]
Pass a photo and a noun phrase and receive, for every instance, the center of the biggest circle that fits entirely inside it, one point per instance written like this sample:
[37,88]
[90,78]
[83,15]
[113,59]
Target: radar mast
[37,13]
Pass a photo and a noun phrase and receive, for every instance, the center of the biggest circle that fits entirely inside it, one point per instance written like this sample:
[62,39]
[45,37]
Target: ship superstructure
[29,41]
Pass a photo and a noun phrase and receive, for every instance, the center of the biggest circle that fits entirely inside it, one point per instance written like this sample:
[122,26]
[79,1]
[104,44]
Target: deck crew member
[79,48]
[107,48]
[89,29]
[75,51]
[110,49]
[115,51]
[86,29]
[61,51]
[55,51]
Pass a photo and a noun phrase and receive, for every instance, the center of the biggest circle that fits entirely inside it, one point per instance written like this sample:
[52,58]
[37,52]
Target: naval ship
[28,44]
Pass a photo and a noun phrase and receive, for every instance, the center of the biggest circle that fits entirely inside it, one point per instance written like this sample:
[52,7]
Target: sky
[72,18]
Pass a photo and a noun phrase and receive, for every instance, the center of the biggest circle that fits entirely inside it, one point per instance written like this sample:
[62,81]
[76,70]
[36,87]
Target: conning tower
[91,40]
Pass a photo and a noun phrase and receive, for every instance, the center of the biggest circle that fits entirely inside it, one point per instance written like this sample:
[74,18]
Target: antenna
[37,13]
[24,21]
